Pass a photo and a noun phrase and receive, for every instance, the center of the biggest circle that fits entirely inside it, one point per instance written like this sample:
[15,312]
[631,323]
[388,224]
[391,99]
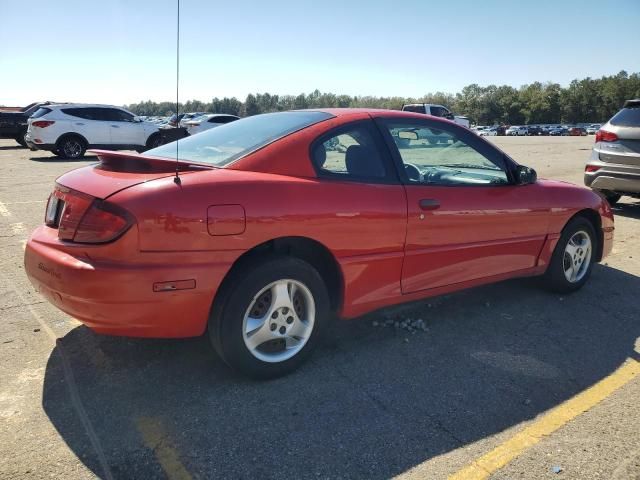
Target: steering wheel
[413,172]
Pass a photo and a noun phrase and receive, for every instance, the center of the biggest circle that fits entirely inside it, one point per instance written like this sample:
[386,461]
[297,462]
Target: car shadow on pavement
[630,210]
[53,158]
[11,147]
[372,403]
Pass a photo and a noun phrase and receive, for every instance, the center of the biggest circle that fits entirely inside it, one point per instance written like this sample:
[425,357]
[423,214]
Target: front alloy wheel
[577,256]
[573,256]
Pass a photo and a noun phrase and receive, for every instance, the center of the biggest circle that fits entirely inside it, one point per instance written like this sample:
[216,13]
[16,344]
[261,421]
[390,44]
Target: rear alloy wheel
[71,147]
[272,318]
[573,257]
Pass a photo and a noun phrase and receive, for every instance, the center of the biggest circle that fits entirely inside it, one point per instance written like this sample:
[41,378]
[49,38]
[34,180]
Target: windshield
[221,146]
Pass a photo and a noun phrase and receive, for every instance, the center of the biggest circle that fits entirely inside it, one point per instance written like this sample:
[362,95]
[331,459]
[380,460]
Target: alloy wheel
[577,256]
[279,321]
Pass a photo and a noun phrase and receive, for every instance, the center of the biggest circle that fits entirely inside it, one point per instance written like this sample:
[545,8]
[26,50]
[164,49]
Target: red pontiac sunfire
[280,221]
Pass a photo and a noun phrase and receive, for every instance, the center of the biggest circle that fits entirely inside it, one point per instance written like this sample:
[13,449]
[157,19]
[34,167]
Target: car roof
[374,112]
[82,105]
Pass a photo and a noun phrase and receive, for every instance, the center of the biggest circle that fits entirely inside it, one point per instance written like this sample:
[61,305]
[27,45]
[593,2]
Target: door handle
[429,204]
[115,126]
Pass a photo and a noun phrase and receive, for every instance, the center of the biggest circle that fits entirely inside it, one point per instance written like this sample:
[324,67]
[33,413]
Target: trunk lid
[117,171]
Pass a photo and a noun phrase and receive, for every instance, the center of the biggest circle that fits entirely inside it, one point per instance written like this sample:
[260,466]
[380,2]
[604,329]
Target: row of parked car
[536,130]
[69,129]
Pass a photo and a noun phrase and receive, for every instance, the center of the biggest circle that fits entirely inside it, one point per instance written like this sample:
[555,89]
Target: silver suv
[614,166]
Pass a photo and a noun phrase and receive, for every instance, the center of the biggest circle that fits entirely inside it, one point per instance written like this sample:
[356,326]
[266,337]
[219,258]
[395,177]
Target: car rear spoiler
[141,163]
[632,103]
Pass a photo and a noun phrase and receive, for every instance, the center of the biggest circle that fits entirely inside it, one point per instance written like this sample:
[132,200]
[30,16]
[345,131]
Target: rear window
[627,117]
[222,145]
[40,112]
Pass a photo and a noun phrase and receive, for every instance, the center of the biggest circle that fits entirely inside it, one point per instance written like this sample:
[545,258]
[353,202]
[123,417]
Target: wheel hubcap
[72,148]
[577,256]
[279,321]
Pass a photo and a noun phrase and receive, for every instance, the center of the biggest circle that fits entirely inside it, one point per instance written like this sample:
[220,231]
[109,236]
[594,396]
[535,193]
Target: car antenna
[176,179]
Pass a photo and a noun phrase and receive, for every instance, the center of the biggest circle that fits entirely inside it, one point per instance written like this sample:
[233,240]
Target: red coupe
[260,231]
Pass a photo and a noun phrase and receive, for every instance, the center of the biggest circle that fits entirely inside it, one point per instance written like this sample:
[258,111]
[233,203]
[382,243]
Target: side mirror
[525,175]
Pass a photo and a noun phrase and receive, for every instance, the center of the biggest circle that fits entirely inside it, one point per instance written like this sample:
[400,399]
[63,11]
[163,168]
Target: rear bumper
[614,177]
[118,298]
[38,146]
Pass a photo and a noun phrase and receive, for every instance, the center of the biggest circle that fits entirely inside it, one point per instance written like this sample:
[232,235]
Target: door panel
[467,219]
[475,232]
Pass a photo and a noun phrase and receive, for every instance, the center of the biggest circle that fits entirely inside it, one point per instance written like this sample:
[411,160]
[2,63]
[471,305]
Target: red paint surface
[386,253]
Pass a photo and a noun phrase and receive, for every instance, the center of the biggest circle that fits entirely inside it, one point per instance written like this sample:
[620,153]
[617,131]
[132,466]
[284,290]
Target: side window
[115,115]
[351,153]
[438,157]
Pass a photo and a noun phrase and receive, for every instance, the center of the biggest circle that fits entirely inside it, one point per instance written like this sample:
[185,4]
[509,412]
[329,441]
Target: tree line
[586,100]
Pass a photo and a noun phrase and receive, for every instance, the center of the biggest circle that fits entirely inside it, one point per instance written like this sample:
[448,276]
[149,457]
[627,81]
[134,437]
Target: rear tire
[21,141]
[270,317]
[573,257]
[71,147]
[612,197]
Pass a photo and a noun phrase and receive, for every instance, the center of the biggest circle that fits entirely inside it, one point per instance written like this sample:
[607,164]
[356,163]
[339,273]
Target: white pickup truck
[436,111]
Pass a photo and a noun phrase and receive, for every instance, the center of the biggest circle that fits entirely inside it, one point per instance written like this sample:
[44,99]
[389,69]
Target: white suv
[69,129]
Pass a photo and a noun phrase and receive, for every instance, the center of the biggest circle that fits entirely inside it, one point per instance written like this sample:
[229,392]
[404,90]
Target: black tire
[612,197]
[555,277]
[55,152]
[71,147]
[21,141]
[155,140]
[231,305]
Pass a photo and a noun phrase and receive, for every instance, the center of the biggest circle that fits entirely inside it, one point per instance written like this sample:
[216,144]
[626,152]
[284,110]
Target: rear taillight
[42,123]
[102,223]
[604,136]
[591,168]
[84,219]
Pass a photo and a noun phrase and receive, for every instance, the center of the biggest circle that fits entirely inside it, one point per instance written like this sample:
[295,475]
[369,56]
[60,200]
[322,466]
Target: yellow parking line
[504,453]
[155,438]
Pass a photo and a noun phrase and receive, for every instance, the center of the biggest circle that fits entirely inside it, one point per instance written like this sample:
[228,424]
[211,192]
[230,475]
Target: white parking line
[4,211]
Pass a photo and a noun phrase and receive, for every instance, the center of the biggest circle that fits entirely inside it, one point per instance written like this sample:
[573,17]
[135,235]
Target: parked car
[516,131]
[13,122]
[593,128]
[559,132]
[68,130]
[436,111]
[533,130]
[190,116]
[210,120]
[265,229]
[489,132]
[614,166]
[577,132]
[174,120]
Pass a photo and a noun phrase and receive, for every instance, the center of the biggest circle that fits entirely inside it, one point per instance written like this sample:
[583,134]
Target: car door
[89,122]
[124,129]
[466,218]
[366,211]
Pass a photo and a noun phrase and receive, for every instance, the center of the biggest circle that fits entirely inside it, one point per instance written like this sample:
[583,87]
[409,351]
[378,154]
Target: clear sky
[123,51]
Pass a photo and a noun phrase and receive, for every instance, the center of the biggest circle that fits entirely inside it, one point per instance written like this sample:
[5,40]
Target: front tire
[270,318]
[573,257]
